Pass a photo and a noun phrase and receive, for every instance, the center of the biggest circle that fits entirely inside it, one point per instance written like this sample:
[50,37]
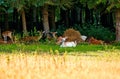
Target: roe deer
[59,40]
[68,44]
[92,40]
[32,38]
[49,35]
[6,34]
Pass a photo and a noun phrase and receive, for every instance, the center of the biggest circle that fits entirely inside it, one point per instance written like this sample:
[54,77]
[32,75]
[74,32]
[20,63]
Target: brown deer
[49,36]
[32,38]
[92,40]
[52,36]
[59,40]
[6,34]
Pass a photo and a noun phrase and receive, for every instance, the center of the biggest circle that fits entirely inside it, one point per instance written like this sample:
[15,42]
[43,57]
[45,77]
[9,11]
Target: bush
[96,31]
[60,30]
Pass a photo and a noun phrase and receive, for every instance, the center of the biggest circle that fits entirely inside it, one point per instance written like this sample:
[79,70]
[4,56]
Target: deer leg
[11,39]
[5,39]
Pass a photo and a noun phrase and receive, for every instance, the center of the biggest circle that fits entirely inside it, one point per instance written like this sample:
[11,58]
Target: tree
[52,10]
[45,18]
[5,8]
[20,6]
[46,4]
[65,8]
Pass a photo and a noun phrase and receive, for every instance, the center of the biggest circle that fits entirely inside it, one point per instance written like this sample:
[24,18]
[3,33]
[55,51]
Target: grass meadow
[37,61]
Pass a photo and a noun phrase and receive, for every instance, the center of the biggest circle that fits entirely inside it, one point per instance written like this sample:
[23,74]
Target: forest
[97,18]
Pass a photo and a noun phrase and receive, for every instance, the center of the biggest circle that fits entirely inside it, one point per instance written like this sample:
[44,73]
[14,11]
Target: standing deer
[32,38]
[49,36]
[6,34]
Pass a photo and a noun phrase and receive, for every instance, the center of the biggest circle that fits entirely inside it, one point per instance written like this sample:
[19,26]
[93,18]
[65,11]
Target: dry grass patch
[27,66]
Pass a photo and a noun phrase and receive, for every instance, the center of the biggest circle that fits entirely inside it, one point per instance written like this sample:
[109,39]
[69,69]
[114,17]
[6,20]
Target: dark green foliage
[60,30]
[96,31]
[116,43]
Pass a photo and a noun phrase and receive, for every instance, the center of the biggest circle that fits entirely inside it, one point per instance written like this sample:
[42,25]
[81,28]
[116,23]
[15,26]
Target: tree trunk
[87,14]
[34,17]
[6,21]
[67,18]
[74,16]
[106,19]
[0,33]
[117,25]
[64,15]
[52,18]
[79,14]
[34,14]
[45,18]
[16,21]
[24,22]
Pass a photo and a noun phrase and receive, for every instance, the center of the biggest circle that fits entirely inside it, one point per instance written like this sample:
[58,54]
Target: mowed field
[19,65]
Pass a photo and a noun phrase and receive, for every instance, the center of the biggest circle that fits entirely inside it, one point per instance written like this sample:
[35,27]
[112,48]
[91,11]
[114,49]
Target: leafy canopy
[93,3]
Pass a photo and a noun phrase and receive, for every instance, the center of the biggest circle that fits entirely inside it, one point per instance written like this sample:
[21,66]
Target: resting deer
[32,38]
[68,44]
[59,40]
[6,34]
[92,40]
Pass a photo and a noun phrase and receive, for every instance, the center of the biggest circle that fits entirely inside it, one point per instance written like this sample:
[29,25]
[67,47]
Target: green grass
[45,47]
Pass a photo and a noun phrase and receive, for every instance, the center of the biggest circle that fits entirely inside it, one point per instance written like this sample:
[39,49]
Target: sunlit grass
[90,65]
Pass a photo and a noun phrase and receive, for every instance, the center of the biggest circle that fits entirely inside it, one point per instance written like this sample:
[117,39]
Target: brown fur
[7,34]
[59,40]
[92,40]
[5,42]
[72,35]
[32,38]
[52,36]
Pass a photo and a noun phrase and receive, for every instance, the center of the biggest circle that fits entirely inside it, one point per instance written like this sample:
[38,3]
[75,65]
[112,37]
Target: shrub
[60,30]
[96,31]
